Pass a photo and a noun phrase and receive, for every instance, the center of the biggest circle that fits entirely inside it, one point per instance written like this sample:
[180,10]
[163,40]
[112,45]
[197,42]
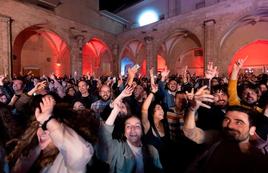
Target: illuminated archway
[180,44]
[257,53]
[143,68]
[246,30]
[193,59]
[40,51]
[125,64]
[135,51]
[97,58]
[161,63]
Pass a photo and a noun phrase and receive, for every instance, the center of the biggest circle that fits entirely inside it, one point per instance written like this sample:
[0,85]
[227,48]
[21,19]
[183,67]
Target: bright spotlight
[148,17]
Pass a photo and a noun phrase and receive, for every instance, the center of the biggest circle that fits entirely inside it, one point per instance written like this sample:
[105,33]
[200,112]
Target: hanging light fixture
[58,63]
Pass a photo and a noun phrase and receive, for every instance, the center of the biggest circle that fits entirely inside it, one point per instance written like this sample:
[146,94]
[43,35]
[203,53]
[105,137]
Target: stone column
[209,41]
[172,8]
[150,58]
[5,45]
[116,63]
[77,42]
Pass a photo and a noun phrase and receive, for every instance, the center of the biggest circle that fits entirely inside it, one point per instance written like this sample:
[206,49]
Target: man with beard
[105,99]
[232,150]
[246,95]
[212,118]
[168,93]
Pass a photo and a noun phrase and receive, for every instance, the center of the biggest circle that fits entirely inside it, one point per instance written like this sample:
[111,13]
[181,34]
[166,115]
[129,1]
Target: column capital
[209,22]
[5,19]
[115,46]
[148,39]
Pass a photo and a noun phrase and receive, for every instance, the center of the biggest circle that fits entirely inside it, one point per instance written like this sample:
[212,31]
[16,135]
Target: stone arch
[97,58]
[40,50]
[135,51]
[175,45]
[126,62]
[246,30]
[257,53]
[193,59]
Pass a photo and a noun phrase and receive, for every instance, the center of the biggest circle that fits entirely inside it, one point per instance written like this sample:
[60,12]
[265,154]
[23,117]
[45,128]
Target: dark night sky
[115,6]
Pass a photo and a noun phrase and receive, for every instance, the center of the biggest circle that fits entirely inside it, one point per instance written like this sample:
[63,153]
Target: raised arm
[211,71]
[2,77]
[75,150]
[162,82]
[184,75]
[116,105]
[196,100]
[20,102]
[236,68]
[152,75]
[131,74]
[164,74]
[233,98]
[145,107]
[58,86]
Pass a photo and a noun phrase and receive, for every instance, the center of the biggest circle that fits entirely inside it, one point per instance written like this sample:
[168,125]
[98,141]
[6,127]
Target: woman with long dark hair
[156,129]
[49,146]
[129,154]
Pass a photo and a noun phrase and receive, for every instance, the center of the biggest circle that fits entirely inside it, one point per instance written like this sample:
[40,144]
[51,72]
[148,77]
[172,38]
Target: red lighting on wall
[161,63]
[143,68]
[257,53]
[91,54]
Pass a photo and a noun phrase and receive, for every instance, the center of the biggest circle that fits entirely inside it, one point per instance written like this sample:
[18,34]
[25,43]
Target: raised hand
[151,72]
[185,70]
[236,68]
[152,75]
[2,77]
[239,63]
[211,71]
[75,75]
[127,92]
[52,76]
[46,108]
[88,75]
[185,74]
[41,85]
[109,82]
[132,71]
[13,100]
[196,99]
[190,96]
[120,80]
[154,88]
[165,73]
[118,106]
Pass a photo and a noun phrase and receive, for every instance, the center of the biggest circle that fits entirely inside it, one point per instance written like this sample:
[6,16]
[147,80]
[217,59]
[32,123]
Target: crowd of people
[161,123]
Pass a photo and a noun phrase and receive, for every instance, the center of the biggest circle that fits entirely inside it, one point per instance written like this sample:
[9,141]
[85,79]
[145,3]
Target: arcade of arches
[43,49]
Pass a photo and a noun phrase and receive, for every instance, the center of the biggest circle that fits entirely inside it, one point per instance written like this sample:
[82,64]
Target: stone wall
[213,26]
[24,16]
[5,45]
[220,30]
